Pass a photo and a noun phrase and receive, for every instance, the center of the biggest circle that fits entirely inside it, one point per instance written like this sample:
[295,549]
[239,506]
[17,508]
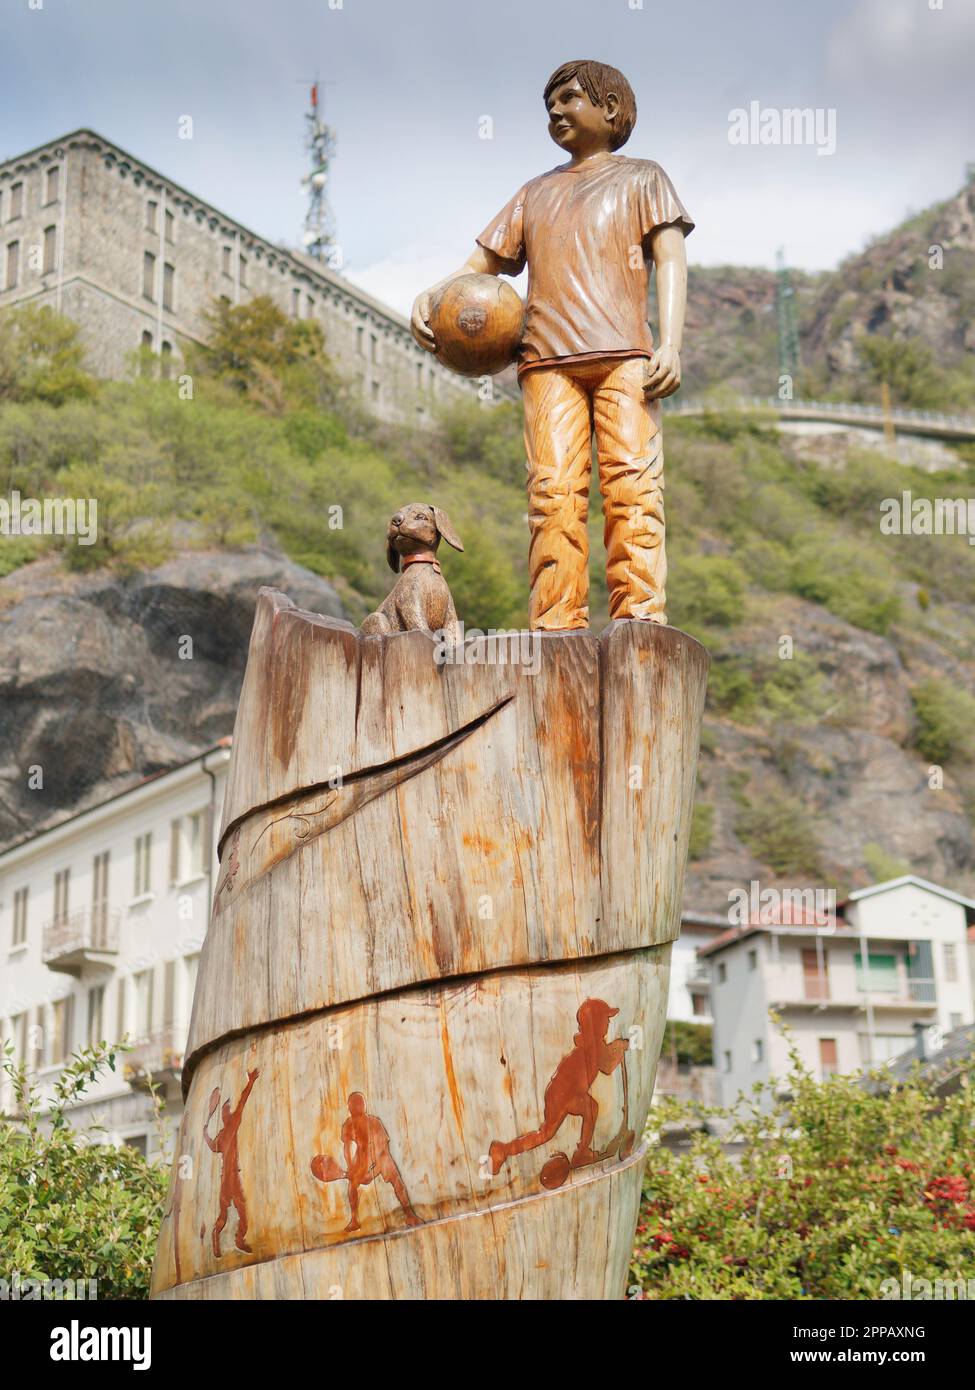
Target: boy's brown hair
[598,80]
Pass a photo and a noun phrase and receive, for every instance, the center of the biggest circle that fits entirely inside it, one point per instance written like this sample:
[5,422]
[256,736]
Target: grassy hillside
[833,646]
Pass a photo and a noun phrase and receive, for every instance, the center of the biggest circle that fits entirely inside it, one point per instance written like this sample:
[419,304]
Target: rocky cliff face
[106,679]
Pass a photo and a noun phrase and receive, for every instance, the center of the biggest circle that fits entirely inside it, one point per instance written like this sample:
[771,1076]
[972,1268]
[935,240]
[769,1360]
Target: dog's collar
[421,557]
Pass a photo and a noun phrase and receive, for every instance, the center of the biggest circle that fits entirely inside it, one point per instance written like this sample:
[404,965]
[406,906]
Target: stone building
[136,260]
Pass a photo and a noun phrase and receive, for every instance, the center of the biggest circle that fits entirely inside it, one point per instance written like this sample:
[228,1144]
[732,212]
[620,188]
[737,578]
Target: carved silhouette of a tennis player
[225,1144]
[365,1144]
[568,1094]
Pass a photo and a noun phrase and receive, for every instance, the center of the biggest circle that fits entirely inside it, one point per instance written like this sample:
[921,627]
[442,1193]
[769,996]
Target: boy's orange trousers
[564,408]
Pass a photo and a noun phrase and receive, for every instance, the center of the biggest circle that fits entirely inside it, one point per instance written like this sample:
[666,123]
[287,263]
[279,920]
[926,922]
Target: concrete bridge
[926,424]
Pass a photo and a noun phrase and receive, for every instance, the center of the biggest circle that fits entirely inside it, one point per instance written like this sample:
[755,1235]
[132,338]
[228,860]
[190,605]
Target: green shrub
[687,1043]
[832,1189]
[945,721]
[702,830]
[71,1205]
[707,590]
[779,831]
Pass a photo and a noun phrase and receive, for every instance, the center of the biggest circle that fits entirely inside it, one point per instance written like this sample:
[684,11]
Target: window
[242,271]
[188,852]
[815,973]
[757,1050]
[885,1047]
[228,260]
[954,1021]
[62,883]
[60,1036]
[17,201]
[169,285]
[149,276]
[20,917]
[170,227]
[880,976]
[50,249]
[147,339]
[699,1004]
[309,307]
[52,184]
[18,1036]
[373,348]
[727,1061]
[295,303]
[722,972]
[375,391]
[419,376]
[99,899]
[143,1003]
[360,340]
[139,1142]
[951,963]
[96,1015]
[152,216]
[143,865]
[166,360]
[753,960]
[827,1056]
[13,265]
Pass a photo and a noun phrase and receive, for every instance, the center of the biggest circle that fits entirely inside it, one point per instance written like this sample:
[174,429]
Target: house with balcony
[853,991]
[102,919]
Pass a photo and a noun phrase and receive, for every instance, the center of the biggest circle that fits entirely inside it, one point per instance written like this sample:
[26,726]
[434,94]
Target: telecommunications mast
[318,238]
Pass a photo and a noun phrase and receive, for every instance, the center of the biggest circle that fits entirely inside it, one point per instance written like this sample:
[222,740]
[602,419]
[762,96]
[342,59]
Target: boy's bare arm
[670,260]
[479,262]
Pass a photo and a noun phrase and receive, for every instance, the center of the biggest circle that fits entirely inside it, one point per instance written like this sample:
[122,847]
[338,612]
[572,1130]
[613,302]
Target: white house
[102,919]
[853,994]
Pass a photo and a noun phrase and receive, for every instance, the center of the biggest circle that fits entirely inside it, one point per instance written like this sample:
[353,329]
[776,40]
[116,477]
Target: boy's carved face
[575,124]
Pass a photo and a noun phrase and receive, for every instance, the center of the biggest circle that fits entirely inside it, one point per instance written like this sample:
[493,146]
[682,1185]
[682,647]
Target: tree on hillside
[274,361]
[41,358]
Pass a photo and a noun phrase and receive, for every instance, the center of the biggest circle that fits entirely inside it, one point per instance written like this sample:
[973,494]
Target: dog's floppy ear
[392,557]
[445,526]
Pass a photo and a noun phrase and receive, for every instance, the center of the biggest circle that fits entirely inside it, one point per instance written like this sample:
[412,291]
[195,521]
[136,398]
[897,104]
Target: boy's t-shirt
[582,233]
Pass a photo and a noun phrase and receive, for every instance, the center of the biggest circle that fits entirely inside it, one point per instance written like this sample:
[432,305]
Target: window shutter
[208,855]
[149,1001]
[169,994]
[174,852]
[120,1015]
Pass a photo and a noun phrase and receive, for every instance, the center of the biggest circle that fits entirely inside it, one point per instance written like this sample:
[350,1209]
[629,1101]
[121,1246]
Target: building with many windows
[102,918]
[853,993]
[136,261]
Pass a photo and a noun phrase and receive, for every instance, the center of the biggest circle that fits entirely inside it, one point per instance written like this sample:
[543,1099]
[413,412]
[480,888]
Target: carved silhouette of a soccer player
[568,1091]
[225,1144]
[365,1144]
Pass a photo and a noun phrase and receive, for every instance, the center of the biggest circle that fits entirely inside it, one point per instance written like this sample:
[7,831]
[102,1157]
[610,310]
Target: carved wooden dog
[420,597]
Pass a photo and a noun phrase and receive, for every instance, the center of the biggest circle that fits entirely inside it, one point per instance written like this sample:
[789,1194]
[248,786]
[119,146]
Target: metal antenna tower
[318,238]
[785,304]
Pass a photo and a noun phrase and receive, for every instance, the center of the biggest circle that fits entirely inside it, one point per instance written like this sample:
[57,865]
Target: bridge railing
[855,409]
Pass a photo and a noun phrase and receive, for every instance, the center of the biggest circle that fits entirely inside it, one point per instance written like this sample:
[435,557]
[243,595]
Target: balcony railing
[83,937]
[158,1055]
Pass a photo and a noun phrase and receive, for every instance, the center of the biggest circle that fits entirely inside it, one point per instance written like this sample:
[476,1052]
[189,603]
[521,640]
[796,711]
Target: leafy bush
[702,830]
[708,591]
[945,721]
[71,1205]
[780,833]
[41,357]
[688,1043]
[838,1187]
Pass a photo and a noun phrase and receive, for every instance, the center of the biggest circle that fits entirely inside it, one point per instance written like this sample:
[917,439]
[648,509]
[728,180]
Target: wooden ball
[477,322]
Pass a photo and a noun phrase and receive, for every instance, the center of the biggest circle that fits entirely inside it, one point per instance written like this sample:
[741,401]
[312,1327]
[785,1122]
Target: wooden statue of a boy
[587,364]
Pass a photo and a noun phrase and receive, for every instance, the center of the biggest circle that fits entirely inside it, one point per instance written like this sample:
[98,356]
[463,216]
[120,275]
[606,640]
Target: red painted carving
[365,1144]
[225,1144]
[568,1094]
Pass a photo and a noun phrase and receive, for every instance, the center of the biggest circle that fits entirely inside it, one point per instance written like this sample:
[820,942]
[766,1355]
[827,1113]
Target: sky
[411,88]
